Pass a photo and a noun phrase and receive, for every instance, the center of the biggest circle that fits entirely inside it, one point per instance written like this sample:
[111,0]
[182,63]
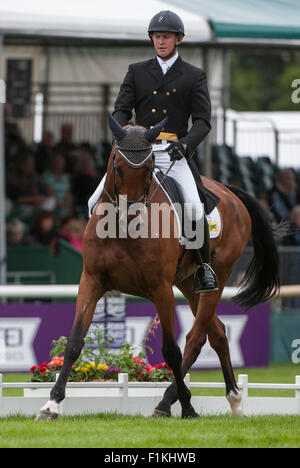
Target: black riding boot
[205,279]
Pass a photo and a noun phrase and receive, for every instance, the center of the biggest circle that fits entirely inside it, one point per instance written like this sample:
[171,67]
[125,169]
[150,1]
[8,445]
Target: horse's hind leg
[218,341]
[209,325]
[90,291]
[165,305]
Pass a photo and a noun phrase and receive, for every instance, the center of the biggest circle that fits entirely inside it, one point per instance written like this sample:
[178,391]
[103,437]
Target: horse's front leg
[165,305]
[90,291]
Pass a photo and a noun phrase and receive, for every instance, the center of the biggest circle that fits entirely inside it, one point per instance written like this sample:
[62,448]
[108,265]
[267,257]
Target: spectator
[72,231]
[14,142]
[44,231]
[25,188]
[67,146]
[57,184]
[294,237]
[85,180]
[15,231]
[44,151]
[282,197]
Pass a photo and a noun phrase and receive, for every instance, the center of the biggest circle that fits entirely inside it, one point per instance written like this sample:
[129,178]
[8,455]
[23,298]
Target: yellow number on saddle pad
[213,227]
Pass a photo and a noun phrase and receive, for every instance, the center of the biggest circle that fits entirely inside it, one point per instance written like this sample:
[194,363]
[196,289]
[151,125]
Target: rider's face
[164,43]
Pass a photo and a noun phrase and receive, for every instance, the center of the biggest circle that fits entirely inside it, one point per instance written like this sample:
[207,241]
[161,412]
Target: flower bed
[101,364]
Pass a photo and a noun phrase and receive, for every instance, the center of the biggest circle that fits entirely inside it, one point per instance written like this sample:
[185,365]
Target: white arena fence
[39,291]
[140,398]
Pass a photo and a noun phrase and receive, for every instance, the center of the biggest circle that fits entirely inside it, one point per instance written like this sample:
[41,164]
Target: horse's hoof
[46,415]
[161,414]
[189,414]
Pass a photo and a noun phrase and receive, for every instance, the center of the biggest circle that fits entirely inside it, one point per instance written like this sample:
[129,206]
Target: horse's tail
[261,281]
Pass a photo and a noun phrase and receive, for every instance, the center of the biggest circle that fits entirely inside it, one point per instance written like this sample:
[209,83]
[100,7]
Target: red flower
[159,366]
[33,368]
[42,367]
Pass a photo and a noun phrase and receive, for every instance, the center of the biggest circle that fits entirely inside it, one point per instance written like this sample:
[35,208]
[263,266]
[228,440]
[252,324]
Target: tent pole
[2,178]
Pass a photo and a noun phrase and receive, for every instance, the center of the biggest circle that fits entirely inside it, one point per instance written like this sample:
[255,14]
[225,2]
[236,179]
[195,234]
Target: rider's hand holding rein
[177,150]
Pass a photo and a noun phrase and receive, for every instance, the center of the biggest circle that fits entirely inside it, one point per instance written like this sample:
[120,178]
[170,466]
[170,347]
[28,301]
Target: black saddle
[208,198]
[172,189]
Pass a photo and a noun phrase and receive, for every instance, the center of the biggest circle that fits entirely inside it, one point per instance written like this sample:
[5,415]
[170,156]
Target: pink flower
[56,361]
[138,361]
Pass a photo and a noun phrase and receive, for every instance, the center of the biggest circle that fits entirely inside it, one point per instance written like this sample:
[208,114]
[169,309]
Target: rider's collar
[169,62]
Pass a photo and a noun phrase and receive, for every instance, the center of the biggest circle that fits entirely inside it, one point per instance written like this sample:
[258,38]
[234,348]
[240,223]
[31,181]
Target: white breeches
[180,172]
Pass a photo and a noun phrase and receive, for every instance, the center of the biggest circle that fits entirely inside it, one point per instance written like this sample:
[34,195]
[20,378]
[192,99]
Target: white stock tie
[165,67]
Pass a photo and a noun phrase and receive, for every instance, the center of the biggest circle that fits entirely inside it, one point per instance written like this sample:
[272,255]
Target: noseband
[116,195]
[135,148]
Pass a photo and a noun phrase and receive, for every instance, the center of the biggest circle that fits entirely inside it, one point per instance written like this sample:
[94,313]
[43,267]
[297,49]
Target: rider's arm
[200,112]
[125,101]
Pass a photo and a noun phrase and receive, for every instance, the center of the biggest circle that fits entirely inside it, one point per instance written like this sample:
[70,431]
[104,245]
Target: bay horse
[149,267]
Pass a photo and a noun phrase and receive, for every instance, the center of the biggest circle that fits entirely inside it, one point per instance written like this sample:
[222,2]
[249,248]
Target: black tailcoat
[179,94]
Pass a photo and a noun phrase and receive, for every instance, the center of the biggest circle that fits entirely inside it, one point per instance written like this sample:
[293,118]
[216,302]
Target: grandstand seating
[256,176]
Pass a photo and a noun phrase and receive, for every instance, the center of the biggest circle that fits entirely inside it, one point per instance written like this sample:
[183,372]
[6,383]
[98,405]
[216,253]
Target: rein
[116,195]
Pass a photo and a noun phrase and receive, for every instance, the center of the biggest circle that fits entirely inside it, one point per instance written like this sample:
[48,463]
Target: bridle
[116,196]
[134,145]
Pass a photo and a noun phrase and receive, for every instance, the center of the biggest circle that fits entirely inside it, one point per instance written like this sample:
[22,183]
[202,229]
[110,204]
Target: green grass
[111,431]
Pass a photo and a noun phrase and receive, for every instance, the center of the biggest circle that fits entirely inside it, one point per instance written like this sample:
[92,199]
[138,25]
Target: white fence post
[123,379]
[297,392]
[243,384]
[1,395]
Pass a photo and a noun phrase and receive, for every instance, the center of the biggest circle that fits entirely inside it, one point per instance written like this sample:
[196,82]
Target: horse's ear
[118,132]
[151,134]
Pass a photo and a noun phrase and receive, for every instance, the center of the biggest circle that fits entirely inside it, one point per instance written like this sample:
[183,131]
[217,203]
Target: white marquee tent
[123,20]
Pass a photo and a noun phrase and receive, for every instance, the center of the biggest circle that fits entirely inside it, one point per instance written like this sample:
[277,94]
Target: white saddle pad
[214,223]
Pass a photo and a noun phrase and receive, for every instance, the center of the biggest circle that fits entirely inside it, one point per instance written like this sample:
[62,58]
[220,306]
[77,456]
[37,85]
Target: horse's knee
[194,345]
[218,341]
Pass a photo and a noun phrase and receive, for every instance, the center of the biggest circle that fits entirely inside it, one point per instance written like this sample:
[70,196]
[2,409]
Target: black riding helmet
[166,21]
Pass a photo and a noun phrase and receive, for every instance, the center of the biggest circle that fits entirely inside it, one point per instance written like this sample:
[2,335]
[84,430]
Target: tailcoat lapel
[161,79]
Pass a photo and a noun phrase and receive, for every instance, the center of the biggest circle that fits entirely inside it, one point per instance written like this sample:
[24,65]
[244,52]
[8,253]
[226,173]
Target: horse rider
[168,86]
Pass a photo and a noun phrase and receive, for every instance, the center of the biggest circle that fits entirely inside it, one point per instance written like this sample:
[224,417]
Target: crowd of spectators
[48,186]
[283,201]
